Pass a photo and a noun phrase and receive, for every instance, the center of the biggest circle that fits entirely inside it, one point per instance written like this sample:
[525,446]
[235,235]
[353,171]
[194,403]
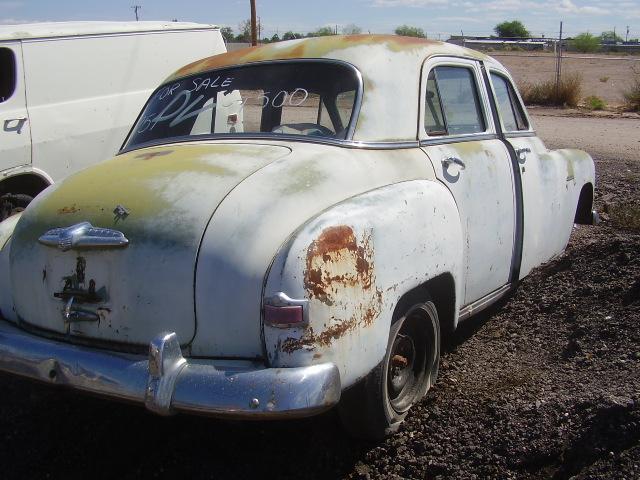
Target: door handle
[449,160]
[14,125]
[521,153]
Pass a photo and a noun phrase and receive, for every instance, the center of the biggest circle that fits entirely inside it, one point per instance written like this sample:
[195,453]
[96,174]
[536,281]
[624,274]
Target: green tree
[291,35]
[227,34]
[275,38]
[610,37]
[244,29]
[322,32]
[512,29]
[585,42]
[351,29]
[408,31]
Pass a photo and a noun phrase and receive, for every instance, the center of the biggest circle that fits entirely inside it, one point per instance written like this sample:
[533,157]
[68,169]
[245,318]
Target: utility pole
[626,38]
[559,63]
[135,10]
[254,27]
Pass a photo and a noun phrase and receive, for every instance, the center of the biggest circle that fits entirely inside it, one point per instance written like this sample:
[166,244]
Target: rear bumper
[165,382]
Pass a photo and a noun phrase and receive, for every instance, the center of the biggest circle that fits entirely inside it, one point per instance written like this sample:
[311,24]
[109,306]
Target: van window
[7,73]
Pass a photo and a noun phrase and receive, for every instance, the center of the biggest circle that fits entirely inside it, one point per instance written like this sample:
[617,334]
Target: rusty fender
[353,263]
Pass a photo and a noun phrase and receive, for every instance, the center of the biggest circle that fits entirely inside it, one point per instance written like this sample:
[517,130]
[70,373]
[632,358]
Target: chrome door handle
[14,125]
[449,160]
[521,153]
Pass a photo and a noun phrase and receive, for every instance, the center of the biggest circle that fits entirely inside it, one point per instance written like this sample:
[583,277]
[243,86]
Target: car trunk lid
[128,273]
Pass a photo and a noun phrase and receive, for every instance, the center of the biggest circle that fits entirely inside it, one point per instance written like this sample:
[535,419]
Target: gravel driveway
[544,385]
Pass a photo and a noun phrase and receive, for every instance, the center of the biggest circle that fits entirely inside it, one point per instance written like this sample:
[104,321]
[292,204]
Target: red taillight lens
[289,316]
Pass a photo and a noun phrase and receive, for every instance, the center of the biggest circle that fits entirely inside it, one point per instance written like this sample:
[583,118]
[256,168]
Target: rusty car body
[309,248]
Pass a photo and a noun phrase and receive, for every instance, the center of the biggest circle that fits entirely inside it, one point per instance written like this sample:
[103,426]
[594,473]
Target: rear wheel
[377,405]
[11,204]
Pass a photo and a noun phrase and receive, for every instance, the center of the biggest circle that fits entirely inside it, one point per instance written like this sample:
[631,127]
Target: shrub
[409,31]
[604,79]
[632,94]
[546,93]
[585,42]
[594,103]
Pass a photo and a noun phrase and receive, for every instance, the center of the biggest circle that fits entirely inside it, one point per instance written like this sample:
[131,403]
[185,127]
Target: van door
[15,131]
[460,139]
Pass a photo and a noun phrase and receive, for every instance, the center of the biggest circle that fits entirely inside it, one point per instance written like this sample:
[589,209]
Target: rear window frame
[350,129]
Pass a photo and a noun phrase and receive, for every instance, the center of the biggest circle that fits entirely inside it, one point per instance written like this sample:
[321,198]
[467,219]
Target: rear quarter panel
[353,263]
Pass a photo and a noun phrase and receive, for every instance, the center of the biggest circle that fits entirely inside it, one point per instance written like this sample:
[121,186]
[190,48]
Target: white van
[70,91]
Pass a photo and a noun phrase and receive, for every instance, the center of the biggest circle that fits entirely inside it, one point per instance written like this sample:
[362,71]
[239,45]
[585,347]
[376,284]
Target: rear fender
[349,267]
[6,293]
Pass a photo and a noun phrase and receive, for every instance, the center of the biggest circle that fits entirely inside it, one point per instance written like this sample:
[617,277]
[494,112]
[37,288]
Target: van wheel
[11,204]
[376,406]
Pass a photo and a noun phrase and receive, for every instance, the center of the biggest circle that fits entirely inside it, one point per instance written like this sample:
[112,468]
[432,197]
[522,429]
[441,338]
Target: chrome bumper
[166,382]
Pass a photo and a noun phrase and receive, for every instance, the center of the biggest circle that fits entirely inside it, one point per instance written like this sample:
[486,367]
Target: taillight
[289,316]
[282,311]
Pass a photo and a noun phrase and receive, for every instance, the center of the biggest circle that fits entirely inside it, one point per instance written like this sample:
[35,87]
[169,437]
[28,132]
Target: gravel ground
[544,385]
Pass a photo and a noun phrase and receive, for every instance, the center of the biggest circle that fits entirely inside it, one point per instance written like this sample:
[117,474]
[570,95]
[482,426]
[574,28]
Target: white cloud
[567,6]
[408,3]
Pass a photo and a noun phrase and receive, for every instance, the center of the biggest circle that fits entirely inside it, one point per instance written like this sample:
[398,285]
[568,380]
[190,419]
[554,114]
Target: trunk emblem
[83,235]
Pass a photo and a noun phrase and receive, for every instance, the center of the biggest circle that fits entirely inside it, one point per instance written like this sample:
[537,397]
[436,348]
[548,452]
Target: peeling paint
[339,273]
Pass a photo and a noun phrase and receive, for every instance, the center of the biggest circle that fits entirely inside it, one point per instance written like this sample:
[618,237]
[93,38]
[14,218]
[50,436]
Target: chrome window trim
[277,139]
[471,137]
[463,62]
[521,133]
[355,113]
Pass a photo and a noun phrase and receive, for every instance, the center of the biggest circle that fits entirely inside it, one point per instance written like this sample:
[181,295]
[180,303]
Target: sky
[438,18]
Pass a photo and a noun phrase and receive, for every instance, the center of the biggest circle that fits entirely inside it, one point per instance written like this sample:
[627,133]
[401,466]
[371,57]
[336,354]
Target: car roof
[354,49]
[70,29]
[390,66]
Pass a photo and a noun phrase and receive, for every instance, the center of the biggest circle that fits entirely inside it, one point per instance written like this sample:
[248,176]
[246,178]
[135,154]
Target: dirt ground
[605,76]
[544,385]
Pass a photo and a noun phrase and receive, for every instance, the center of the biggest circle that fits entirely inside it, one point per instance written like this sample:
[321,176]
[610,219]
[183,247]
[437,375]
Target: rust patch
[339,273]
[336,261]
[68,210]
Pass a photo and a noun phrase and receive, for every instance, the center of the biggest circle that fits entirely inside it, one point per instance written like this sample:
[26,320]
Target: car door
[543,232]
[459,136]
[15,133]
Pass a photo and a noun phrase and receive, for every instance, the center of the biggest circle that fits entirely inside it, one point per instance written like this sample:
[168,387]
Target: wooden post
[254,27]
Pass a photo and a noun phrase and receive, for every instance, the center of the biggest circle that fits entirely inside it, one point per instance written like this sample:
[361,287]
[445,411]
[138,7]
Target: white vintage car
[311,249]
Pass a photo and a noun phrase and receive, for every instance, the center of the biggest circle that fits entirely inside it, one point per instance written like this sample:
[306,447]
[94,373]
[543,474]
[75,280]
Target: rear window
[7,74]
[314,99]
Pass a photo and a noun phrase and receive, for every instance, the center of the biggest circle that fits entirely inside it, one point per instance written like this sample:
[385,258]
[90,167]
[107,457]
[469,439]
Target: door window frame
[483,101]
[530,131]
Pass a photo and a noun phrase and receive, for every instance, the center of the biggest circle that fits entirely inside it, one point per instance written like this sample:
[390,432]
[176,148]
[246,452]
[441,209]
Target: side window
[452,102]
[509,106]
[7,74]
[433,119]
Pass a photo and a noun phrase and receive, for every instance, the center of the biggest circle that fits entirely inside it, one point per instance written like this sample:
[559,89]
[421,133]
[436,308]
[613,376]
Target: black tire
[11,204]
[376,406]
